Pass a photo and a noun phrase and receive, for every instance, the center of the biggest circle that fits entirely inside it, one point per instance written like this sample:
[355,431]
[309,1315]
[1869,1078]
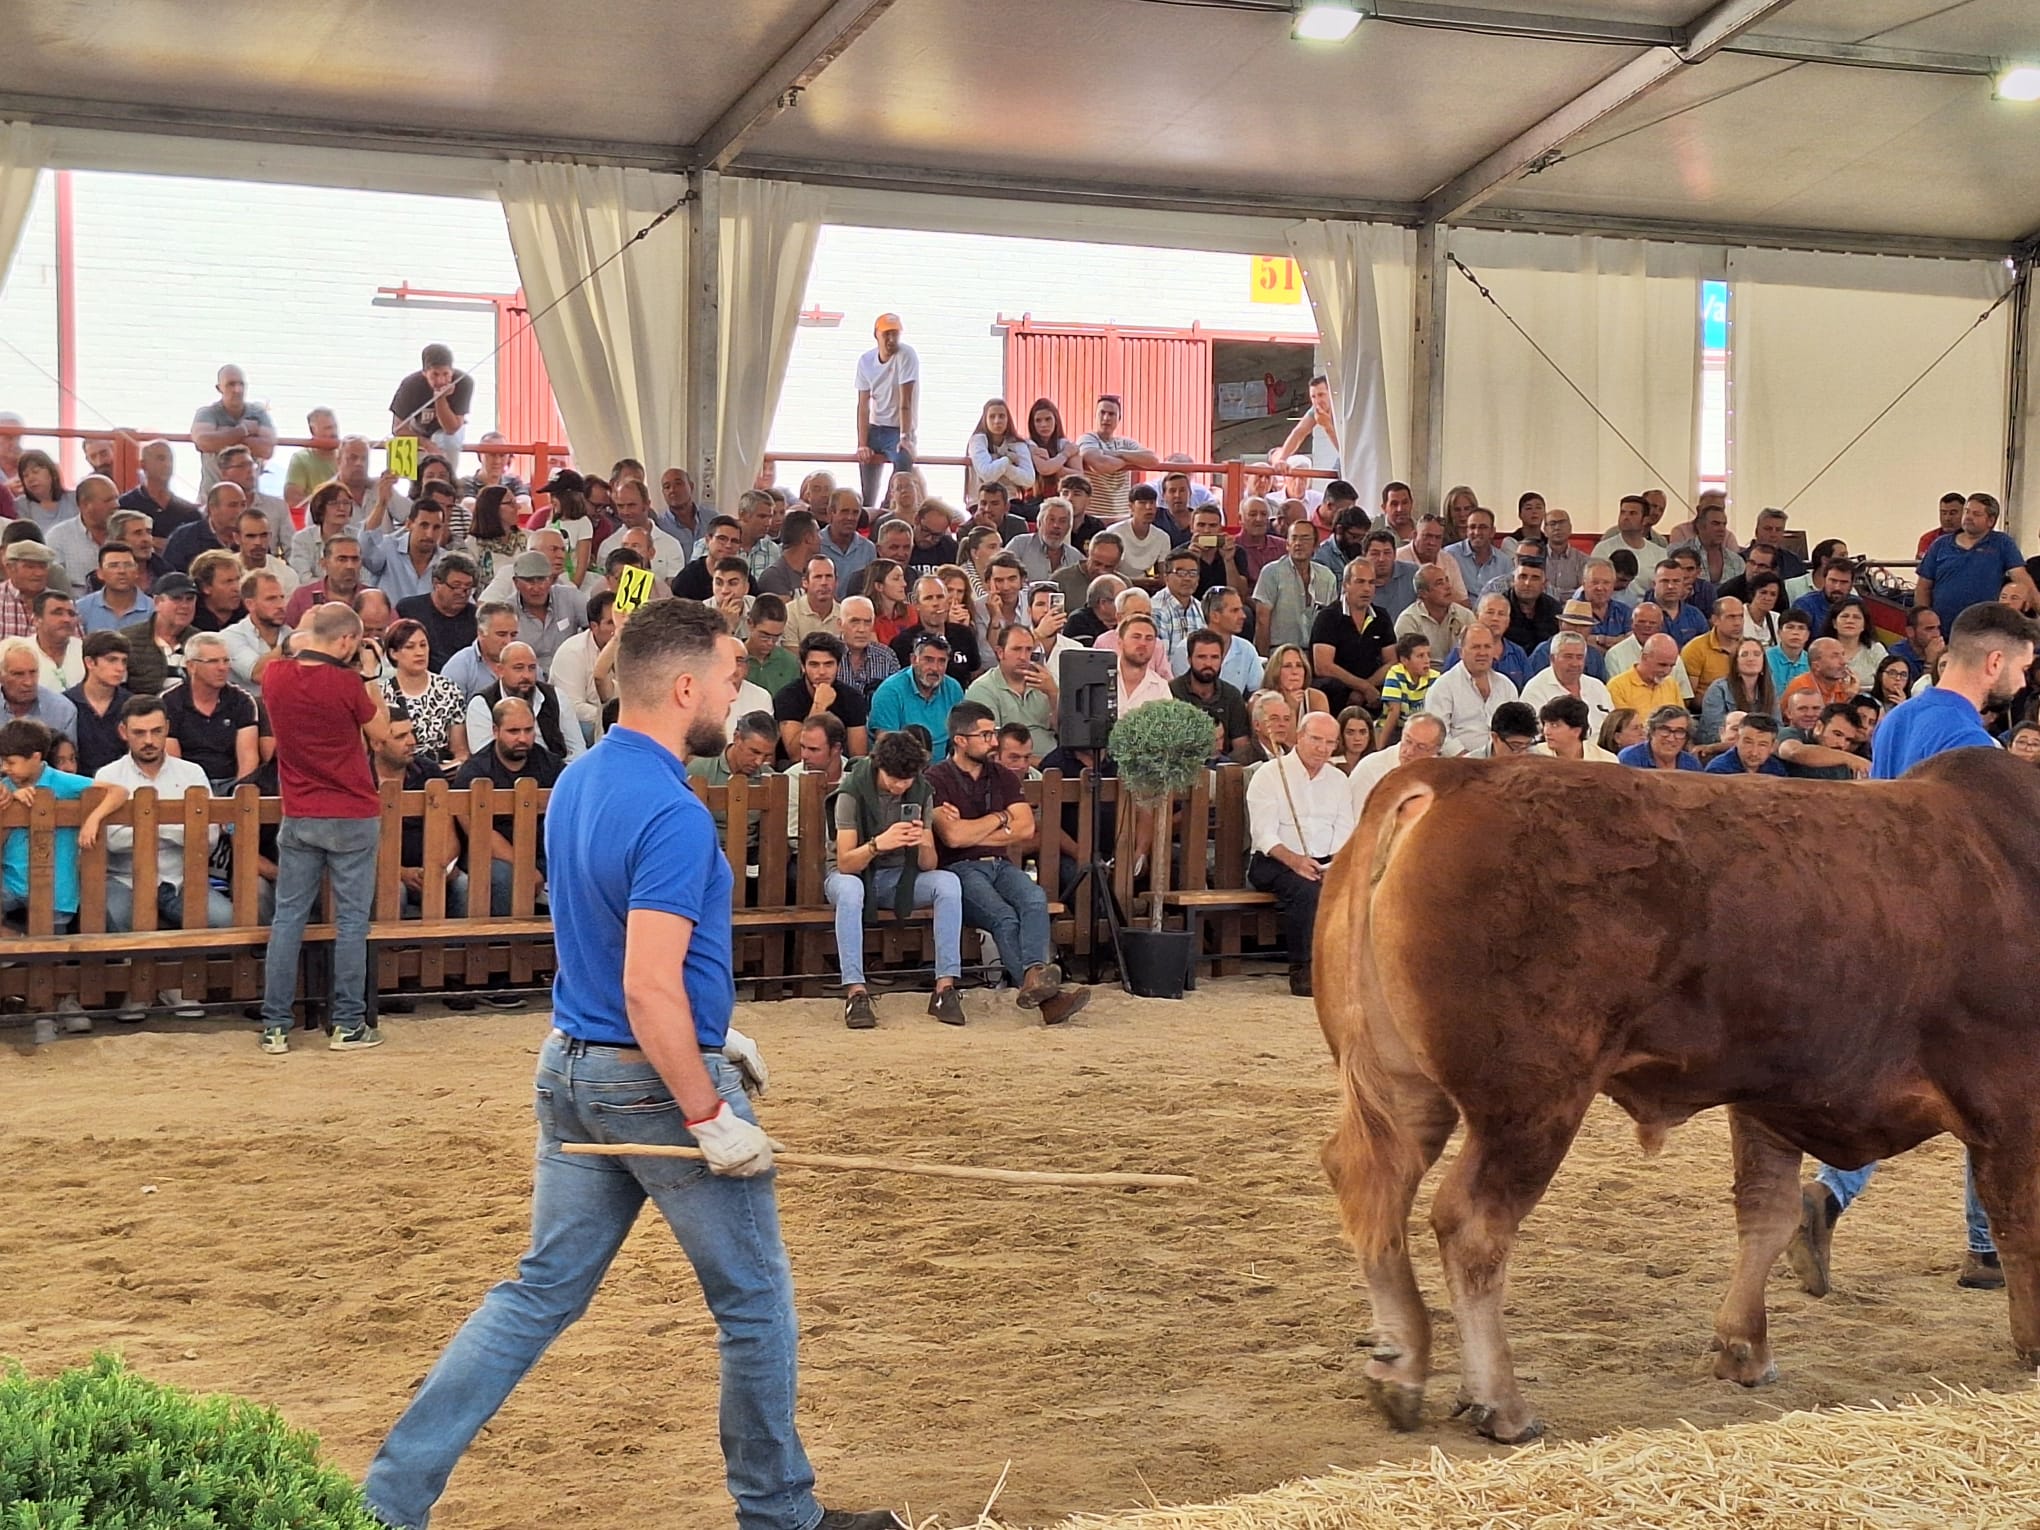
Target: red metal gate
[1162,375]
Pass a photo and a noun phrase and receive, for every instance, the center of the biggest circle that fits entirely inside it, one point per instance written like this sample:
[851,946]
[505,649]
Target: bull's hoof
[1400,1403]
[1496,1424]
[1743,1364]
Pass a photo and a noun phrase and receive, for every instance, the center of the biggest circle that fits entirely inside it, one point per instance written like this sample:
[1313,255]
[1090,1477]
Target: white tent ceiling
[1197,104]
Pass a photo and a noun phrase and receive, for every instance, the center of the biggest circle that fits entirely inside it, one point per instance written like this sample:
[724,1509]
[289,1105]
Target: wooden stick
[901,1166]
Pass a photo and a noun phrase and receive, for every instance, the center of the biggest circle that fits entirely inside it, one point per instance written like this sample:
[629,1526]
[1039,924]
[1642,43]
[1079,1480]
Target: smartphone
[1207,542]
[910,812]
[1056,601]
[1039,656]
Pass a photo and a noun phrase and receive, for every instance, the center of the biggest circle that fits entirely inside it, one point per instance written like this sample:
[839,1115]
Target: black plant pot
[1157,962]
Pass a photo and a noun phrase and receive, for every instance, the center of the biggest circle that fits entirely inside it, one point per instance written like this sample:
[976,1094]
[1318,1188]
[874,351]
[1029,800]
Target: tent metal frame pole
[703,337]
[2020,395]
[1427,370]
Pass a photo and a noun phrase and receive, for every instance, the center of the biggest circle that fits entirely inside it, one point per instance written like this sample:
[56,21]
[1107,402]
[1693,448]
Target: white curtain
[1339,262]
[769,229]
[1821,344]
[616,349]
[24,149]
[1622,317]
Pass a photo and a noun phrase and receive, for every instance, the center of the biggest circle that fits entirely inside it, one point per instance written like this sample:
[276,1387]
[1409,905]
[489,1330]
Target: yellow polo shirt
[1630,689]
[1706,661]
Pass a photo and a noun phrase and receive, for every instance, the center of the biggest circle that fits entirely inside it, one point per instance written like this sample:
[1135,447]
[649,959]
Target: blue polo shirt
[624,831]
[1639,756]
[1730,764]
[1685,624]
[1931,723]
[14,859]
[1964,576]
[898,701]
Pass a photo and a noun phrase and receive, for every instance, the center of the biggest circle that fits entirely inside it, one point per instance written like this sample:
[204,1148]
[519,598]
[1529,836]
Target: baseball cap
[1578,610]
[566,480]
[531,565]
[884,322]
[171,586]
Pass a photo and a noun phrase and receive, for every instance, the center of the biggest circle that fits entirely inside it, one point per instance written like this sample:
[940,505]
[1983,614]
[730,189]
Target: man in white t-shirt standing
[888,400]
[1108,459]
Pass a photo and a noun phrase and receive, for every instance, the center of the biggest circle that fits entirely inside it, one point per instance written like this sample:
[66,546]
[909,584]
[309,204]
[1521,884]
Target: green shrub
[103,1449]
[1160,747]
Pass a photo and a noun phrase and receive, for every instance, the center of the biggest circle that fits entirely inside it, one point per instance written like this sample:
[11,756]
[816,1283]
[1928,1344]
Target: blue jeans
[936,889]
[885,440]
[581,1211]
[307,849]
[120,907]
[1001,898]
[1846,1184]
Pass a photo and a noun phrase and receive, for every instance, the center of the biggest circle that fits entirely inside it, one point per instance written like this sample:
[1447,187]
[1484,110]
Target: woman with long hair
[979,546]
[1356,738]
[963,597]
[1747,687]
[904,494]
[885,585]
[437,706]
[1893,681]
[493,533]
[1459,502]
[1621,728]
[44,499]
[998,453]
[1848,623]
[1049,447]
[1289,676]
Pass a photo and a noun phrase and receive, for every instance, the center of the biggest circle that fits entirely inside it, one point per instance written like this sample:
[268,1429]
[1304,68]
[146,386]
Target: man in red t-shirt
[326,707]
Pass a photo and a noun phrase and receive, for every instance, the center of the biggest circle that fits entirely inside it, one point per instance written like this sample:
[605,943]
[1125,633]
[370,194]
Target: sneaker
[1813,1243]
[505,1001]
[1038,985]
[947,1006]
[461,1003]
[1065,1004]
[173,1000]
[853,1519]
[858,1013]
[76,1021]
[132,1013]
[276,1043]
[355,1041]
[1299,979]
[1981,1272]
[45,1030]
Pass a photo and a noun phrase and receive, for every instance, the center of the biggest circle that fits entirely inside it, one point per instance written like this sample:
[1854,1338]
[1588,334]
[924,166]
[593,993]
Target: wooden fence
[784,925]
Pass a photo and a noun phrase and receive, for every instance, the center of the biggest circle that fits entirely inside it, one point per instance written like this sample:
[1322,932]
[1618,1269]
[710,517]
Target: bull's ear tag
[633,588]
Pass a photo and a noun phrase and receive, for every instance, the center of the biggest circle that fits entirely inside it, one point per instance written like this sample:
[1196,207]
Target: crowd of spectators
[913,652]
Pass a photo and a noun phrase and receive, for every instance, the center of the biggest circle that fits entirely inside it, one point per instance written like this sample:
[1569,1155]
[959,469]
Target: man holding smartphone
[885,856]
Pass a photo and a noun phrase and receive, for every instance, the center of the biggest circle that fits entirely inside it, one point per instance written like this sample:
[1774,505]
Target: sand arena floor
[321,1223]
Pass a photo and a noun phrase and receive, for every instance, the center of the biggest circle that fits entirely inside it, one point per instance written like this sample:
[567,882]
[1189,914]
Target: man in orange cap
[888,389]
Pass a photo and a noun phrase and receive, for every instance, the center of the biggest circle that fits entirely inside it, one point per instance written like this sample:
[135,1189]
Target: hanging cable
[2025,275]
[1635,451]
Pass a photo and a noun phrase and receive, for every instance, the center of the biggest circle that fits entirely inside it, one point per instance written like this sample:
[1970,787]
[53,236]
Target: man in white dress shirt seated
[1300,815]
[1422,739]
[1464,698]
[1567,676]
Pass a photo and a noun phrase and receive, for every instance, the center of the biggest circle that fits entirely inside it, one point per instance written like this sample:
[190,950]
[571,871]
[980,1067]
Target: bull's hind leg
[2008,1183]
[1501,1172]
[1401,1362]
[1766,1215]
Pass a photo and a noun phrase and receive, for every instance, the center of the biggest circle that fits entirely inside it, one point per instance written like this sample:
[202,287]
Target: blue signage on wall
[1714,316]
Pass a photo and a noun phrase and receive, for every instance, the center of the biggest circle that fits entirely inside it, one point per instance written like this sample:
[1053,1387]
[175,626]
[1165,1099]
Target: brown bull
[1502,941]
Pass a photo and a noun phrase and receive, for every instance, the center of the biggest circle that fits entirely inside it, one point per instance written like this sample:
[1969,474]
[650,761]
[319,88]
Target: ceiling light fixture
[1328,21]
[2019,82]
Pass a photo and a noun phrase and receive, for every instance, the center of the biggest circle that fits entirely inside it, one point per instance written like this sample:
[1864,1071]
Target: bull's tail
[1374,1160]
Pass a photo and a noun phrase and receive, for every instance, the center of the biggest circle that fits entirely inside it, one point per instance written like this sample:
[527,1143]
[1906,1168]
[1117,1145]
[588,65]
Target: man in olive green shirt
[1019,690]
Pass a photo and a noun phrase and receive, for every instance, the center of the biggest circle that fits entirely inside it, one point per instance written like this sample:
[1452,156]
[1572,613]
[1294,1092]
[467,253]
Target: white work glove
[742,1053]
[732,1145]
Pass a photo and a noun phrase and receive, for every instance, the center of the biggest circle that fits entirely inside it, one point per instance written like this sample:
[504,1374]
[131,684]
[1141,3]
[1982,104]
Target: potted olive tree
[1159,748]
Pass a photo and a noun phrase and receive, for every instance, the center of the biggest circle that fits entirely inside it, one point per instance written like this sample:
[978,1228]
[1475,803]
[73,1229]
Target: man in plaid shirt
[866,661]
[28,575]
[1177,611]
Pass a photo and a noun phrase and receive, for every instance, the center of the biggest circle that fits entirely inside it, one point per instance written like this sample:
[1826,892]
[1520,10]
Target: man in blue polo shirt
[1989,651]
[642,1055]
[921,693]
[1755,752]
[1971,565]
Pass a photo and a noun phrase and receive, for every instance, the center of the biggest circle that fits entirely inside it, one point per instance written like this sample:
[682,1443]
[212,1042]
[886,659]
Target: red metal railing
[1231,477]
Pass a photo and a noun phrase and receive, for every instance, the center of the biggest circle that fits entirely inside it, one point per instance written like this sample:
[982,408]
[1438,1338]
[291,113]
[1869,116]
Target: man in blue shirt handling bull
[1989,651]
[642,1054]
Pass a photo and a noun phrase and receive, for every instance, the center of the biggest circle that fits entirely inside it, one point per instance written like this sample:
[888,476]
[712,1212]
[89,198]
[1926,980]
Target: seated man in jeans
[980,811]
[885,857]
